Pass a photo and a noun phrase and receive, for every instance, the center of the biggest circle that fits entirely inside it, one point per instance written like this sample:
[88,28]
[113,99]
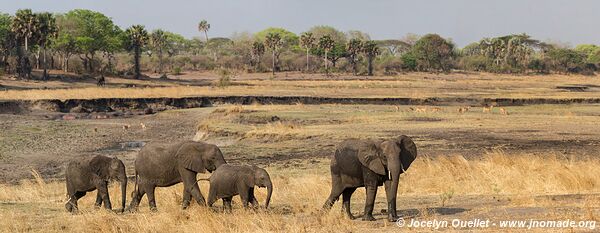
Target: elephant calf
[228,181]
[88,174]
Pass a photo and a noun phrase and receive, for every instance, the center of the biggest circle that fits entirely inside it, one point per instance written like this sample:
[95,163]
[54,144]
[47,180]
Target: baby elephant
[91,173]
[229,180]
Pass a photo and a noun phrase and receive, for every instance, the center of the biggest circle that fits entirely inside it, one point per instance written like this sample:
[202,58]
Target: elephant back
[364,151]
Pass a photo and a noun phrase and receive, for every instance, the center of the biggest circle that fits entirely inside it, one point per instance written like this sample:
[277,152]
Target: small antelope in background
[143,126]
[419,109]
[126,127]
[463,109]
[503,111]
[436,109]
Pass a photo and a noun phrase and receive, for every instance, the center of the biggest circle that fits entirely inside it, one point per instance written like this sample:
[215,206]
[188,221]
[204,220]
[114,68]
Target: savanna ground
[537,162]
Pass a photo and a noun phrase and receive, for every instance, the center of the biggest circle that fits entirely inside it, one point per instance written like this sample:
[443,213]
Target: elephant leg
[102,188]
[151,198]
[212,197]
[337,188]
[391,201]
[252,199]
[245,196]
[191,185]
[72,203]
[370,203]
[346,196]
[98,200]
[187,197]
[137,197]
[227,204]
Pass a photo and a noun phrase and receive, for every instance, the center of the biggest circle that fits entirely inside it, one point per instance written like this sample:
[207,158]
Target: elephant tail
[135,186]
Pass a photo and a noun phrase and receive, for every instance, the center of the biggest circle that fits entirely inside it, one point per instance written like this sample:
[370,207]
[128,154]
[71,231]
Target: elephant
[228,181]
[90,173]
[163,165]
[369,163]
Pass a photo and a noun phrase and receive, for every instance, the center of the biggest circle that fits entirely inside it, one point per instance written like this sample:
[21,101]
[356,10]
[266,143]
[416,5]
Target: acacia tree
[258,49]
[6,40]
[273,41]
[371,50]
[307,41]
[432,52]
[204,26]
[159,42]
[353,49]
[136,39]
[47,31]
[326,43]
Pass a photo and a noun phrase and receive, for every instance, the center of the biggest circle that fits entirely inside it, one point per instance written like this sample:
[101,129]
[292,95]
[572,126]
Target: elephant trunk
[269,192]
[123,192]
[394,176]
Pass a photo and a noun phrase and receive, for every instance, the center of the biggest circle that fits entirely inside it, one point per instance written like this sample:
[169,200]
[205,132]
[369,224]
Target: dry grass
[415,85]
[38,205]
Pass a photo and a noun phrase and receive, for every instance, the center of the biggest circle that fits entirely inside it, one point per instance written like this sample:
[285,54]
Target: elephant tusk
[389,175]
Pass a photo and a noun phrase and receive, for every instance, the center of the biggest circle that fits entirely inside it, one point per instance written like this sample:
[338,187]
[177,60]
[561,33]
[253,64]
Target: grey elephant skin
[163,165]
[90,173]
[229,180]
[370,163]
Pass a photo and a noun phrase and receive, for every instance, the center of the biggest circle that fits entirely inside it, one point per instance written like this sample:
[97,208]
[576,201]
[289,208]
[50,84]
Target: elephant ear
[370,156]
[249,176]
[190,158]
[408,151]
[99,166]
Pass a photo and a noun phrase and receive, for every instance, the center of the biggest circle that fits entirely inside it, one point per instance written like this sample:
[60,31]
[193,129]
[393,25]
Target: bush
[177,71]
[225,77]
[409,62]
[475,63]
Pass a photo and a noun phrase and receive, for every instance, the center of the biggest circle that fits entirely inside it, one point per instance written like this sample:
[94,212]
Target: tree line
[88,42]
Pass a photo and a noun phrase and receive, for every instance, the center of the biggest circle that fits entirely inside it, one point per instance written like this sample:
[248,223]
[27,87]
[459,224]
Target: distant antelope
[436,109]
[397,108]
[419,109]
[463,109]
[143,126]
[126,127]
[95,130]
[503,111]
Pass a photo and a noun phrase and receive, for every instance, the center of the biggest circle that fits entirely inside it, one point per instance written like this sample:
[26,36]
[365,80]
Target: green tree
[371,50]
[47,31]
[6,39]
[159,42]
[433,52]
[93,32]
[136,39]
[274,42]
[511,52]
[258,49]
[353,48]
[566,60]
[326,43]
[204,26]
[307,41]
[24,26]
[334,34]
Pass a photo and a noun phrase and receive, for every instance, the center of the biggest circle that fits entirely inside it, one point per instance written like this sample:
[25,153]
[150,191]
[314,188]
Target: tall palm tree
[258,49]
[204,26]
[326,43]
[159,42]
[371,50]
[353,49]
[47,30]
[274,42]
[24,26]
[137,37]
[307,41]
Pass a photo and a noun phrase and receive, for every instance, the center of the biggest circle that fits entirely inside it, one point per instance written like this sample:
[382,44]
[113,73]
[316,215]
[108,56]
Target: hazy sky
[573,22]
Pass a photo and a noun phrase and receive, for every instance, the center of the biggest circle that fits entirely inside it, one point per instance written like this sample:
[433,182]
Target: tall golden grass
[37,205]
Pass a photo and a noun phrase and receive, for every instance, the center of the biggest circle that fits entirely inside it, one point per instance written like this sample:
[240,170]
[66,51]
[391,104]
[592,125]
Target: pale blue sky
[573,22]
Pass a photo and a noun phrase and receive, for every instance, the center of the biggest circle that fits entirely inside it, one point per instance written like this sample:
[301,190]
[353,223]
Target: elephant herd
[356,163]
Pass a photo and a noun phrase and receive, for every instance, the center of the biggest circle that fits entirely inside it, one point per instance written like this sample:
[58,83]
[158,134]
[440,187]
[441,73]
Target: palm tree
[137,37]
[258,49]
[47,31]
[274,42]
[371,50]
[326,43]
[307,41]
[204,26]
[159,41]
[24,26]
[353,49]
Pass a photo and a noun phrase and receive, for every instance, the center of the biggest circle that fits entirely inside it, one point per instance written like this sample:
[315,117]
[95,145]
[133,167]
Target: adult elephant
[163,165]
[370,163]
[90,173]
